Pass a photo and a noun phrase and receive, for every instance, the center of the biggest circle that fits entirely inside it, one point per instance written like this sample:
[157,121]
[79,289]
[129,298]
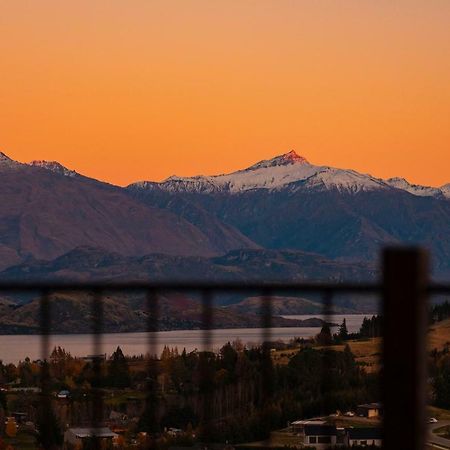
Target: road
[435,439]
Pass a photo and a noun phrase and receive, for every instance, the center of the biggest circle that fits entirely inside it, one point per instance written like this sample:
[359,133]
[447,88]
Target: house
[174,432]
[63,394]
[298,427]
[363,436]
[370,410]
[322,436]
[74,437]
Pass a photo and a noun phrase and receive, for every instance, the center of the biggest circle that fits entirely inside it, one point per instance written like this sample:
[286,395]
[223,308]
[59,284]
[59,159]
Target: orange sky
[143,89]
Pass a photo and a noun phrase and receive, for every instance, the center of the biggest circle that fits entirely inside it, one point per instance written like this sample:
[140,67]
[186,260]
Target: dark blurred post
[206,371]
[405,318]
[267,367]
[98,361]
[267,380]
[326,340]
[49,434]
[149,421]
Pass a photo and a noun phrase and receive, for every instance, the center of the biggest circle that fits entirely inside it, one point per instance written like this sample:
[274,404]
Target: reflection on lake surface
[15,348]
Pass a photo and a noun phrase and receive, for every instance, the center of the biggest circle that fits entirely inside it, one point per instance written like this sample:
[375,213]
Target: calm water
[15,348]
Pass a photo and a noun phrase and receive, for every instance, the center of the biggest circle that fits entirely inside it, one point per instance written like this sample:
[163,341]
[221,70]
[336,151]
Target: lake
[18,347]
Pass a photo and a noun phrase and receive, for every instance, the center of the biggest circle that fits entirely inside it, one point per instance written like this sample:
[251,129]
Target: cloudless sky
[143,89]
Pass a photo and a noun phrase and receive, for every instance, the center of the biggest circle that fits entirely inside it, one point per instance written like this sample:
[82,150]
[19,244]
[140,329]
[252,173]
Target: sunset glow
[126,91]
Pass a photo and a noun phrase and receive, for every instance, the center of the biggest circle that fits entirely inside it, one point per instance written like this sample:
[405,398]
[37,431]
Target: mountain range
[288,203]
[279,219]
[291,172]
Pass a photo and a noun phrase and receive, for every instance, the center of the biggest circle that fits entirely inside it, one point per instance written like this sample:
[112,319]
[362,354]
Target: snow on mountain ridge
[7,162]
[416,189]
[272,174]
[286,171]
[342,180]
[54,166]
[445,189]
[290,171]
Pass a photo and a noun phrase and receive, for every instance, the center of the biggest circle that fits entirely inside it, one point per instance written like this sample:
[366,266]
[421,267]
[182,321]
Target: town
[300,409]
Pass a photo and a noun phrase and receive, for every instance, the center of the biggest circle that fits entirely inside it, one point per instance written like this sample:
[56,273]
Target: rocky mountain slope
[46,210]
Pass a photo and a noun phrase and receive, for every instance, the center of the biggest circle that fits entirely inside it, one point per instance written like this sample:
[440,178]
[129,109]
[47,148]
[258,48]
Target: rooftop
[376,405]
[102,432]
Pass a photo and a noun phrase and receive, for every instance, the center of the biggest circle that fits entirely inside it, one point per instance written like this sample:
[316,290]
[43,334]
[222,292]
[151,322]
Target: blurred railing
[404,289]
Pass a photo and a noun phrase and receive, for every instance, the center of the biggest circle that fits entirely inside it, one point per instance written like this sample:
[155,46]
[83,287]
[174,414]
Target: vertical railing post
[98,363]
[206,366]
[405,318]
[267,365]
[267,380]
[47,422]
[150,419]
[326,334]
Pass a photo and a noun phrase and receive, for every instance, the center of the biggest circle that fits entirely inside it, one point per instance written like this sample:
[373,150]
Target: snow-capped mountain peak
[292,172]
[282,160]
[286,171]
[54,166]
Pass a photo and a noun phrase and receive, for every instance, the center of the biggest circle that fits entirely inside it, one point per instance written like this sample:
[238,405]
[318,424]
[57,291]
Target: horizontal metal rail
[362,288]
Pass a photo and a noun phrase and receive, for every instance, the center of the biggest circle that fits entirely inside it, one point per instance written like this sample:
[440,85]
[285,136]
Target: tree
[26,372]
[324,337]
[228,359]
[118,370]
[342,331]
[371,328]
